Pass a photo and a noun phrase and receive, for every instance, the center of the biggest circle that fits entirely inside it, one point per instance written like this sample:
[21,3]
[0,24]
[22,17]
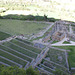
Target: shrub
[39,18]
[51,19]
[29,17]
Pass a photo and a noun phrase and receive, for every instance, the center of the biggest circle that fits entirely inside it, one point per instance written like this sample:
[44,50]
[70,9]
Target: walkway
[71,31]
[13,37]
[60,43]
[40,57]
[72,42]
[40,41]
[42,32]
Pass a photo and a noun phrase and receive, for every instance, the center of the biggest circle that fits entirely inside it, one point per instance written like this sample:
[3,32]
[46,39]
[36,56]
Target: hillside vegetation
[52,8]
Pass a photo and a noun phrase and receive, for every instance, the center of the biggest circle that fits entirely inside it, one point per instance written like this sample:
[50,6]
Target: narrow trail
[71,31]
[40,57]
[42,32]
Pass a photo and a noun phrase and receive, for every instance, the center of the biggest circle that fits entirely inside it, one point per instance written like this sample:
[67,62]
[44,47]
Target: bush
[29,17]
[39,18]
[17,71]
[51,19]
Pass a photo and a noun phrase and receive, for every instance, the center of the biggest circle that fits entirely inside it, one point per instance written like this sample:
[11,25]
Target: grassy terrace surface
[3,35]
[25,41]
[21,27]
[13,58]
[57,56]
[66,42]
[54,42]
[7,62]
[53,65]
[26,46]
[71,54]
[15,53]
[21,50]
[47,68]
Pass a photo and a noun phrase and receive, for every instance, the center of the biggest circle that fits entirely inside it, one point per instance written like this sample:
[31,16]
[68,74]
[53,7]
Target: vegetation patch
[18,52]
[54,42]
[55,60]
[71,54]
[17,71]
[3,35]
[21,27]
[66,42]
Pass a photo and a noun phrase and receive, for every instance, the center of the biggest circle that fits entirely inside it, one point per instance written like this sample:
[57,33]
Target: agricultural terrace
[21,27]
[18,52]
[3,35]
[71,54]
[55,59]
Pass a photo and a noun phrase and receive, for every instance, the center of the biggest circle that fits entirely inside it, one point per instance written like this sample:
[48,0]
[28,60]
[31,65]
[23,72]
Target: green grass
[17,60]
[21,27]
[25,41]
[66,42]
[47,68]
[54,66]
[26,46]
[50,28]
[7,62]
[53,54]
[21,50]
[71,54]
[54,42]
[3,35]
[15,53]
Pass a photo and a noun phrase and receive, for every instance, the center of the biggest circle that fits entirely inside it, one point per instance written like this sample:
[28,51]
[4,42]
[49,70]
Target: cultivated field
[18,52]
[22,53]
[3,35]
[21,27]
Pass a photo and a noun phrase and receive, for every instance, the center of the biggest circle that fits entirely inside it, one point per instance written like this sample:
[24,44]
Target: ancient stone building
[58,36]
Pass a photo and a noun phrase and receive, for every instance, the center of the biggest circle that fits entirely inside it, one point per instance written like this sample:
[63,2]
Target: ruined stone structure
[58,36]
[58,31]
[46,39]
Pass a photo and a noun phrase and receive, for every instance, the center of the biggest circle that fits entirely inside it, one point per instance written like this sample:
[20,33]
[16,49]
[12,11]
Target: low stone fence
[73,68]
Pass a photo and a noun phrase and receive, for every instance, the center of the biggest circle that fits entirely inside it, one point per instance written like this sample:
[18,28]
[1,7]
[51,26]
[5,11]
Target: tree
[30,71]
[45,17]
[17,71]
